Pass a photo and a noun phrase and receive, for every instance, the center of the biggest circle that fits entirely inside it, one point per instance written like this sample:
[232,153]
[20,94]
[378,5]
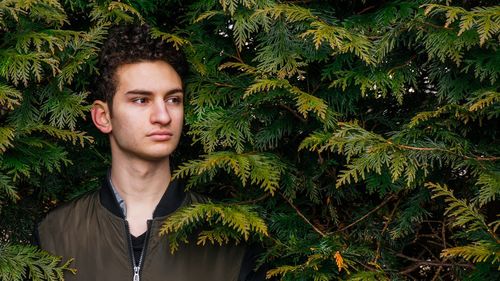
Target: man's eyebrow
[149,93]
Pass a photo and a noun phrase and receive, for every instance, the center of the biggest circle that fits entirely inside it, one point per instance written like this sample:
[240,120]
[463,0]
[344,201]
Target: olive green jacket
[93,231]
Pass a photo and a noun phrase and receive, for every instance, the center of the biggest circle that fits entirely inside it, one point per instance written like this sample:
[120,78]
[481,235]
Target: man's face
[148,111]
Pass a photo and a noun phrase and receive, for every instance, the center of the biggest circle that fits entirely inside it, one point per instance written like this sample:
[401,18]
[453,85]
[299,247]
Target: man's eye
[174,100]
[139,100]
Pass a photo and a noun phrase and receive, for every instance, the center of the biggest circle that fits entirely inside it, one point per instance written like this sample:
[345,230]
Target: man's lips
[160,135]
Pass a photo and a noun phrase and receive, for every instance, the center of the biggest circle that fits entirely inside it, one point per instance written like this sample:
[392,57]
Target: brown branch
[366,9]
[293,112]
[238,55]
[435,25]
[477,158]
[429,251]
[404,64]
[302,216]
[369,268]
[367,214]
[438,263]
[437,274]
[386,225]
[224,85]
[414,148]
[253,201]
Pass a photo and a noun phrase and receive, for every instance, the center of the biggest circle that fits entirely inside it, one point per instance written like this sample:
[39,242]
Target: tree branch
[253,201]
[294,113]
[384,229]
[477,158]
[437,263]
[367,214]
[302,216]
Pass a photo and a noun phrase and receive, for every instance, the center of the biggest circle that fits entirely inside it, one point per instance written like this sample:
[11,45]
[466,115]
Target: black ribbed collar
[169,202]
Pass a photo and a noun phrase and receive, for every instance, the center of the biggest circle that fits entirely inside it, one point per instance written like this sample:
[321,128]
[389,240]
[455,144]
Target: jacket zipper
[137,267]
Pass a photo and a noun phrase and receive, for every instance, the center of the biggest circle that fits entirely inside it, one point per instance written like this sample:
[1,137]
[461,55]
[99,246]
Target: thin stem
[477,158]
[367,214]
[404,64]
[419,262]
[386,225]
[366,9]
[253,201]
[302,216]
[294,113]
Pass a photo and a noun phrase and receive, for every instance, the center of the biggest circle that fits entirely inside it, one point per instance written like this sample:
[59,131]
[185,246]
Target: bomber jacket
[94,232]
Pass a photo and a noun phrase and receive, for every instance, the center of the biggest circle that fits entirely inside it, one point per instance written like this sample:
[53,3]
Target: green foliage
[7,189]
[9,97]
[114,12]
[20,262]
[467,216]
[227,222]
[485,20]
[174,39]
[489,187]
[400,94]
[256,168]
[481,251]
[304,101]
[368,275]
[317,124]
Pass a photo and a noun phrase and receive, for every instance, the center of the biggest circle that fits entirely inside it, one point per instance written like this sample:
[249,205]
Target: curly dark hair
[131,44]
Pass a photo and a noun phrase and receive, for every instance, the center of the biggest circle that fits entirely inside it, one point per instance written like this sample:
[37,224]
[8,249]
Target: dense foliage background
[352,139]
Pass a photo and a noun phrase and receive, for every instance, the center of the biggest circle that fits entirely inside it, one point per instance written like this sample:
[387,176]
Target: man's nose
[160,113]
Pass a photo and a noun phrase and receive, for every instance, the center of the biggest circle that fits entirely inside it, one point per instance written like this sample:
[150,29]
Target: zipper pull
[136,273]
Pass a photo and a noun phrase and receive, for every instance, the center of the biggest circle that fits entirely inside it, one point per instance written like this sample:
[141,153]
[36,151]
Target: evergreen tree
[354,140]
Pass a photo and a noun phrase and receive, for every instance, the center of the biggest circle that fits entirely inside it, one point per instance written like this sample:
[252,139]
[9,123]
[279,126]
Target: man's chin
[157,157]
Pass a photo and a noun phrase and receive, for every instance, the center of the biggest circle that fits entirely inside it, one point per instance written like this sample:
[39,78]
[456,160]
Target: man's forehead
[147,75]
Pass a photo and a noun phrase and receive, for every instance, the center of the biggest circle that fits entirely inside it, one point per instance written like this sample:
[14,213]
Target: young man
[113,234]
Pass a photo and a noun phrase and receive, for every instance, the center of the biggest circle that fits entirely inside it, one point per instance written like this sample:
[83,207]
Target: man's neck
[140,180]
[141,184]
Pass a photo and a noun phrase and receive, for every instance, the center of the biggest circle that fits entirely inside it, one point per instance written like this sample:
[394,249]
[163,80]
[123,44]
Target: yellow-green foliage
[22,262]
[480,251]
[463,213]
[467,216]
[225,222]
[259,169]
[485,20]
[305,102]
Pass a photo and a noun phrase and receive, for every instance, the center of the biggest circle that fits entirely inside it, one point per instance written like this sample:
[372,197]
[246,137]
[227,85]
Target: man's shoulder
[71,209]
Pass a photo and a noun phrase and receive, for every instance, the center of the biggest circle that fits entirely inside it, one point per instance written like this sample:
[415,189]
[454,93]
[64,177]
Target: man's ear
[101,116]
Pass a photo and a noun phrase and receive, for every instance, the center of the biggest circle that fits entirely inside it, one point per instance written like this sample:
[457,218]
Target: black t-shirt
[137,244]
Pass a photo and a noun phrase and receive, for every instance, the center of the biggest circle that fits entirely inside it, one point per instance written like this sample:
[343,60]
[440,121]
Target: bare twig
[293,112]
[477,158]
[438,263]
[224,85]
[404,64]
[386,225]
[436,26]
[367,214]
[302,216]
[253,201]
[238,55]
[437,274]
[365,9]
